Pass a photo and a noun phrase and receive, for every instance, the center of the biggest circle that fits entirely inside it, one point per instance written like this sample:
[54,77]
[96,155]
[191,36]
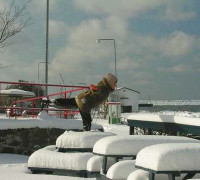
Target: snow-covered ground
[14,167]
[43,121]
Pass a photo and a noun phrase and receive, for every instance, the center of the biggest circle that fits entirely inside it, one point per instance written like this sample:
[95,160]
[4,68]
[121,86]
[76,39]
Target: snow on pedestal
[131,145]
[144,175]
[44,115]
[86,139]
[49,158]
[121,170]
[94,164]
[170,157]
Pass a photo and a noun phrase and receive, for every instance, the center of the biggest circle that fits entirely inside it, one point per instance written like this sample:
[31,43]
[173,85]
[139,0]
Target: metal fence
[16,109]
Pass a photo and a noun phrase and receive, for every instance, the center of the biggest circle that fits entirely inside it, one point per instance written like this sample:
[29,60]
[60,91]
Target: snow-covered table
[49,160]
[79,141]
[119,147]
[172,123]
[171,159]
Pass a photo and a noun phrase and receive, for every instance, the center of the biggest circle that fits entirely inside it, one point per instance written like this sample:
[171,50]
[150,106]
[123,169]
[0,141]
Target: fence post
[47,103]
[0,96]
[32,108]
[65,115]
[20,108]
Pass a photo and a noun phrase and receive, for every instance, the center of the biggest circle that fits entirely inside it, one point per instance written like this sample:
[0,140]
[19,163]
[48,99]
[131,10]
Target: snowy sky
[158,45]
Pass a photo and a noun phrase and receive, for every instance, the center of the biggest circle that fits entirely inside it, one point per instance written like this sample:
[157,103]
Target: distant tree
[4,66]
[38,90]
[12,20]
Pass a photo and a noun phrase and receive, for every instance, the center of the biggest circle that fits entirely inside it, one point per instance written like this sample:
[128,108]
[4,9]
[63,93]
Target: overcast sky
[157,42]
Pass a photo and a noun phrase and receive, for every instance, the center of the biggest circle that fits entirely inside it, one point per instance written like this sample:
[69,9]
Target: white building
[129,99]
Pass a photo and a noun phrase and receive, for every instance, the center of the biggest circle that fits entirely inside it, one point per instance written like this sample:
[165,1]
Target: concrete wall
[26,141]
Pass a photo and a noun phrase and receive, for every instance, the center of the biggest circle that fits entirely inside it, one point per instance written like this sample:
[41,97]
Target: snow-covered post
[65,115]
[47,103]
[0,96]
[32,108]
[20,108]
[114,109]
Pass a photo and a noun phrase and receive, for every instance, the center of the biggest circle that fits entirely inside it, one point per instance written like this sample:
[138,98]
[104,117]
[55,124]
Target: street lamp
[42,62]
[47,45]
[39,70]
[83,84]
[99,41]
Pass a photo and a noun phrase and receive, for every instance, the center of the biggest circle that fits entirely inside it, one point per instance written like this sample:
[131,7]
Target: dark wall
[26,141]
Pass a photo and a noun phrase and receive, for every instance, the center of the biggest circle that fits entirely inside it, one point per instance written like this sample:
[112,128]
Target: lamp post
[47,44]
[83,84]
[99,41]
[115,54]
[42,62]
[39,70]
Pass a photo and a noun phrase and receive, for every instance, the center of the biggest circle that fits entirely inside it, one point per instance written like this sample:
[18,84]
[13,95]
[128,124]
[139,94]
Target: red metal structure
[32,100]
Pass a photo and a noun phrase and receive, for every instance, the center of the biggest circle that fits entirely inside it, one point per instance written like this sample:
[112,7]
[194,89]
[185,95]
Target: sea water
[158,108]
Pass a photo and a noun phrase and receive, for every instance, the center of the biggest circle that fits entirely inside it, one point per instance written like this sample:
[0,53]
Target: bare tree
[12,21]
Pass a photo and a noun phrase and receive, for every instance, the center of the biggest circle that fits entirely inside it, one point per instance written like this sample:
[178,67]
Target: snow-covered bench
[170,159]
[175,124]
[49,160]
[128,146]
[79,141]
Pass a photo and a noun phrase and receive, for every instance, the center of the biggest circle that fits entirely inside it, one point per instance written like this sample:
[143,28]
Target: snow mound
[131,145]
[87,139]
[48,157]
[144,175]
[44,115]
[121,170]
[170,157]
[95,163]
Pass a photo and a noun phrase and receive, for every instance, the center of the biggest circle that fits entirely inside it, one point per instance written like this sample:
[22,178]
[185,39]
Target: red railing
[32,100]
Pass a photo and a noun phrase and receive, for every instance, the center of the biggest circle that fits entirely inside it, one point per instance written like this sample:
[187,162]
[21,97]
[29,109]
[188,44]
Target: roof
[127,89]
[17,92]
